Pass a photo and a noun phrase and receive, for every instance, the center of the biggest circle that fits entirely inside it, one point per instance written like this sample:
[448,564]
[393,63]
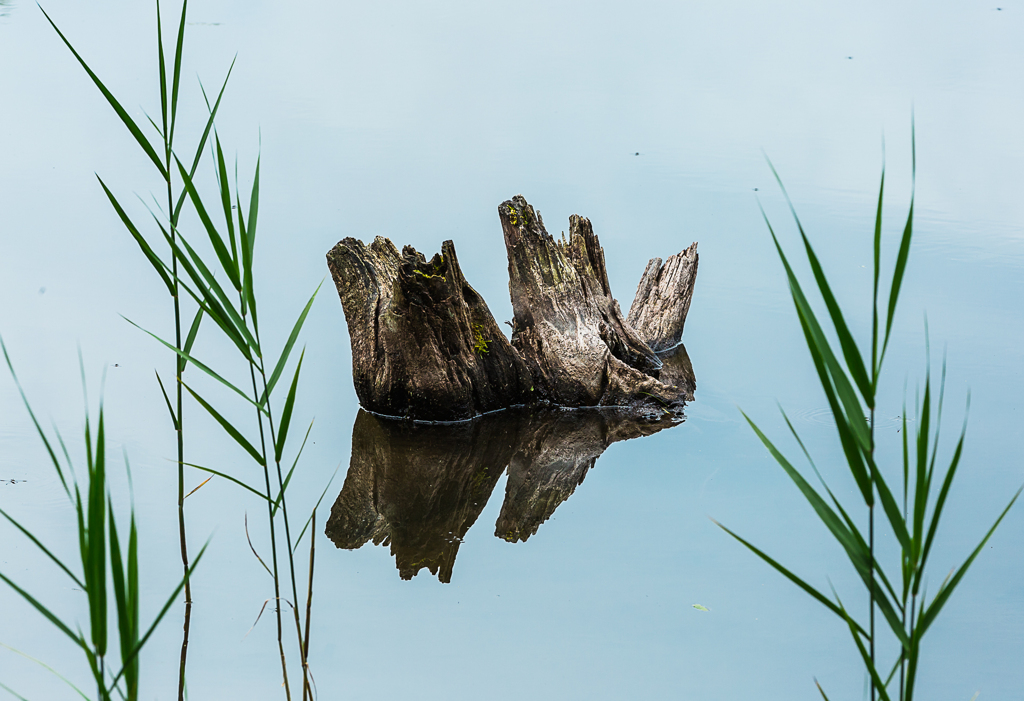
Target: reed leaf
[46,551]
[228,477]
[147,250]
[286,413]
[228,428]
[279,368]
[288,477]
[199,365]
[230,266]
[121,113]
[946,590]
[176,80]
[792,577]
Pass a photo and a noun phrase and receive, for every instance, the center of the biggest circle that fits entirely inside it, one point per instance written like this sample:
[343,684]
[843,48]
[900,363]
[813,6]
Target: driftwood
[418,488]
[426,347]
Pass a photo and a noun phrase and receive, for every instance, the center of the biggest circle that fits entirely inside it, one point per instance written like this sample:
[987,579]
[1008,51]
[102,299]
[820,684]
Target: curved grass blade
[48,668]
[279,368]
[317,506]
[228,477]
[147,250]
[286,413]
[170,600]
[202,142]
[226,425]
[851,353]
[793,578]
[288,477]
[229,265]
[253,548]
[201,485]
[199,365]
[47,614]
[225,198]
[904,252]
[127,120]
[170,409]
[929,614]
[191,338]
[176,80]
[865,656]
[35,422]
[28,534]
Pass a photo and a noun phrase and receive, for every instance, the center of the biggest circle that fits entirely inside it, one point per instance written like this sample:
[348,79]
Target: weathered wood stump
[425,345]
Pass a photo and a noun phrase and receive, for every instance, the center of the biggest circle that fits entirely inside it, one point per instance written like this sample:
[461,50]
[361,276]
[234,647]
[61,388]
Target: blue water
[413,121]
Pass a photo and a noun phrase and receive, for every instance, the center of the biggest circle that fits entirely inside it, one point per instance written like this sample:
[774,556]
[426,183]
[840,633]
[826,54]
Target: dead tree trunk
[425,346]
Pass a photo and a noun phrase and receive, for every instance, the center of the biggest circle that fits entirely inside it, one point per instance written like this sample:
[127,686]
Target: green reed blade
[901,259]
[851,353]
[127,120]
[819,344]
[891,508]
[920,489]
[35,422]
[247,278]
[254,204]
[96,574]
[864,654]
[228,477]
[14,693]
[28,534]
[875,369]
[229,266]
[225,198]
[941,501]
[851,447]
[192,332]
[286,413]
[821,598]
[223,304]
[48,668]
[49,615]
[824,512]
[199,365]
[163,70]
[163,612]
[929,614]
[820,690]
[176,80]
[117,572]
[288,477]
[202,144]
[212,305]
[147,250]
[288,346]
[228,427]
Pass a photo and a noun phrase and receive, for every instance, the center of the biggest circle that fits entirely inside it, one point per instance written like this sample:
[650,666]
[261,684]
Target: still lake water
[413,120]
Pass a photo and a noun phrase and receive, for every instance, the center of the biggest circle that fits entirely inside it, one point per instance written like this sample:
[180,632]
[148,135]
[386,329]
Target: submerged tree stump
[425,345]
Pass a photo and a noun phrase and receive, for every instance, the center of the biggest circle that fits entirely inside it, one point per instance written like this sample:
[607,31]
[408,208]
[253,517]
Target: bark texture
[424,344]
[663,299]
[426,347]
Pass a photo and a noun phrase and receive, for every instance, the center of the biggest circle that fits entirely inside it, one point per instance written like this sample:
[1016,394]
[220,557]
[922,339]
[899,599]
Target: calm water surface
[413,120]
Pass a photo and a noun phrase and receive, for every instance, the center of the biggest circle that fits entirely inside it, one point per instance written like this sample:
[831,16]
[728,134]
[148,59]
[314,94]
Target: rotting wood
[426,347]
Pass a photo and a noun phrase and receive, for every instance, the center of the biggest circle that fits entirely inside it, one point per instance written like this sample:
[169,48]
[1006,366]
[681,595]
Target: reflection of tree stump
[425,346]
[419,488]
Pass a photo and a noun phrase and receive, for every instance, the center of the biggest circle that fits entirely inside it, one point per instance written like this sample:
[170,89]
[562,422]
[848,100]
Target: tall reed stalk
[851,386]
[233,309]
[162,157]
[101,557]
